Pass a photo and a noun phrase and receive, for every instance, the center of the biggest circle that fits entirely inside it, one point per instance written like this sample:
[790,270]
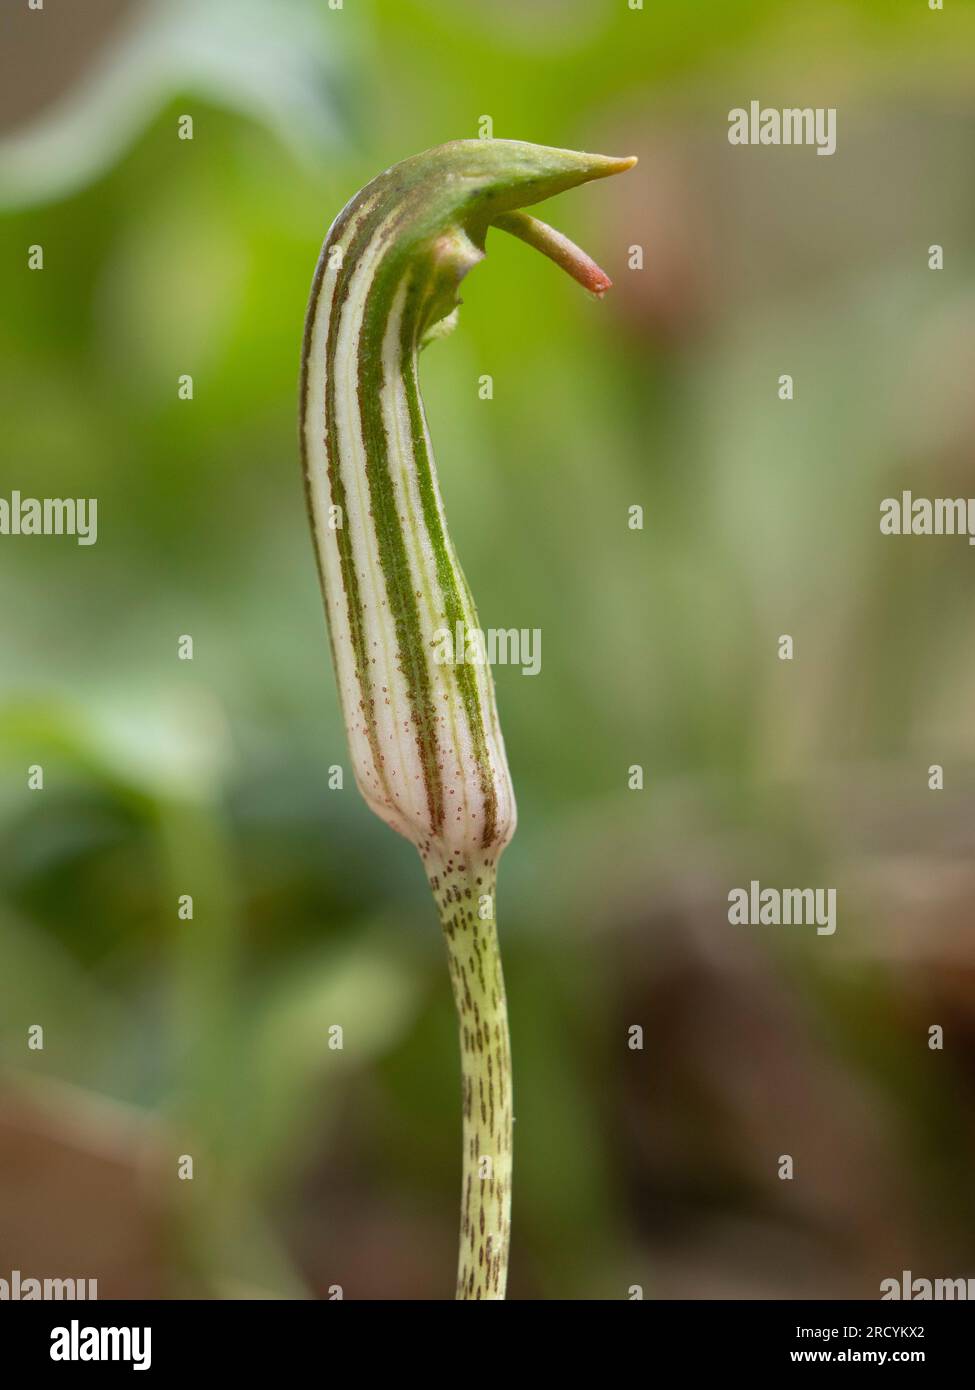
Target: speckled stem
[464,892]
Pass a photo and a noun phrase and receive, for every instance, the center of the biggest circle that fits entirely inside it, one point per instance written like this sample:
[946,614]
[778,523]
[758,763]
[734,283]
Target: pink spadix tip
[557,247]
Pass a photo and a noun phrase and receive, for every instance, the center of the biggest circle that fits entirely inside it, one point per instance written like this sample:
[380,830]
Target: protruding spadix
[558,248]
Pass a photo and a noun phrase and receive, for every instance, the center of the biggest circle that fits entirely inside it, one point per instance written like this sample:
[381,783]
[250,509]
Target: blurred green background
[659,1168]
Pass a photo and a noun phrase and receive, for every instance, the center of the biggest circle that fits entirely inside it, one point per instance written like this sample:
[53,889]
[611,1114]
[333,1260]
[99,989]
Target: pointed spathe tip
[610,164]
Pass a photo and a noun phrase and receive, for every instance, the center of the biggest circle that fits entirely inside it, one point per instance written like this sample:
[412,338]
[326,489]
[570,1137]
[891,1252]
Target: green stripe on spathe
[450,581]
[347,560]
[394,559]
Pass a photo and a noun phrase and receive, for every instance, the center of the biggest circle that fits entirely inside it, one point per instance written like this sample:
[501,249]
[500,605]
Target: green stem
[464,892]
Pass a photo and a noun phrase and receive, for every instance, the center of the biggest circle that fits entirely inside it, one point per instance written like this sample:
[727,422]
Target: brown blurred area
[45,52]
[76,1192]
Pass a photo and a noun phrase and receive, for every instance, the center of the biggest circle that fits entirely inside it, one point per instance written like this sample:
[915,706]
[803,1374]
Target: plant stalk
[464,892]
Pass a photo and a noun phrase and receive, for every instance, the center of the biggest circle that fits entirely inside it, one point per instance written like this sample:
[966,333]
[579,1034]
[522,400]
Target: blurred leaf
[371,988]
[277,65]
